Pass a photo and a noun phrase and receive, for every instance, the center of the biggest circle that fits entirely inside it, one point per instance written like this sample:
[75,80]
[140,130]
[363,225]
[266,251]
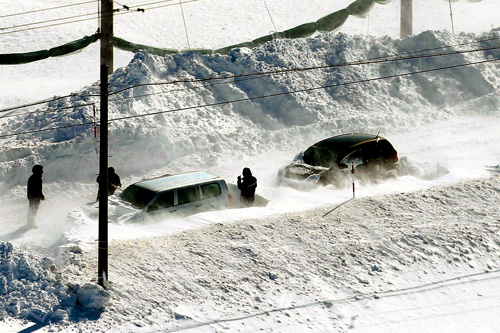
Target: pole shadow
[17,233]
[483,276]
[33,328]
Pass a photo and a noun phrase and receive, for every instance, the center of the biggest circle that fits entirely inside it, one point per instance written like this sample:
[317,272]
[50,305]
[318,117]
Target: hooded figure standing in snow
[113,182]
[35,194]
[247,187]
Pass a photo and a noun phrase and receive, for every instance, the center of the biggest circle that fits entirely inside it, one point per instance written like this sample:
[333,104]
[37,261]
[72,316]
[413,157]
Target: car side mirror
[299,156]
[355,157]
[313,178]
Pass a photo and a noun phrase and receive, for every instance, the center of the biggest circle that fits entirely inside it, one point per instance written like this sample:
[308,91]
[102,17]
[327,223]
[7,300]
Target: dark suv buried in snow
[329,161]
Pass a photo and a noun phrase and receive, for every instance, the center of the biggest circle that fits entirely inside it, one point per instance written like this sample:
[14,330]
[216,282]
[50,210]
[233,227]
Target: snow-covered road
[425,154]
[416,253]
[410,262]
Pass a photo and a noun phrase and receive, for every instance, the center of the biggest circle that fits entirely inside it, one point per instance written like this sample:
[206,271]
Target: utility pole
[106,69]
[102,274]
[107,34]
[406,18]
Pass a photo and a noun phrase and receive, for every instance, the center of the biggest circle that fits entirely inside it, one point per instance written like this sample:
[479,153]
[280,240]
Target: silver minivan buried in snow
[175,196]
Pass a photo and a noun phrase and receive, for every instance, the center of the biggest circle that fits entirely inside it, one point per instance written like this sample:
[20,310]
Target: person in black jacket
[35,193]
[247,187]
[113,182]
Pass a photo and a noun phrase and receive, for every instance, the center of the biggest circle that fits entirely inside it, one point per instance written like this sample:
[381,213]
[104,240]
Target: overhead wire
[111,100]
[185,25]
[95,15]
[302,69]
[44,102]
[157,2]
[305,90]
[239,78]
[247,99]
[47,129]
[270,16]
[49,21]
[47,9]
[256,75]
[48,110]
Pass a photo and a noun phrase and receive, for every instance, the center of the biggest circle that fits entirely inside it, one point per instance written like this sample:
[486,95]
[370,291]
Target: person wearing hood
[113,182]
[247,186]
[35,193]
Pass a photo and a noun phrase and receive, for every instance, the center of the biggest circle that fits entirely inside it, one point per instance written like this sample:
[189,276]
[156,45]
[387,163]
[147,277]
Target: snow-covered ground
[415,253]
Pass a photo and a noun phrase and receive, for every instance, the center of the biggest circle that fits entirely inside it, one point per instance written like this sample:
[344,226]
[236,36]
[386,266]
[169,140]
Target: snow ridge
[368,249]
[34,289]
[259,124]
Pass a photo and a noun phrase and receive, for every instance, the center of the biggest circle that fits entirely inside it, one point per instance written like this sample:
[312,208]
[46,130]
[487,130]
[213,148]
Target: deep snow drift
[256,268]
[346,271]
[181,127]
[433,109]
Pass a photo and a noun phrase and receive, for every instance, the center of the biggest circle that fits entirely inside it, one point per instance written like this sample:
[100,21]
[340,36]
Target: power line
[270,16]
[157,2]
[81,3]
[45,102]
[48,21]
[107,13]
[111,100]
[251,76]
[282,71]
[277,72]
[185,26]
[47,9]
[48,110]
[88,19]
[46,129]
[47,26]
[248,99]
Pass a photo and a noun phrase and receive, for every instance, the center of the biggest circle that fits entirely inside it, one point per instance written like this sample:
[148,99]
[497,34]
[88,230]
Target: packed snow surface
[432,254]
[414,253]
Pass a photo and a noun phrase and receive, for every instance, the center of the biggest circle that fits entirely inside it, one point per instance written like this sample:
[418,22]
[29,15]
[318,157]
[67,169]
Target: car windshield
[137,196]
[321,156]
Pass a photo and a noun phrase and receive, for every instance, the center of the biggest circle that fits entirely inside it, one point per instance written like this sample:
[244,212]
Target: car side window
[210,190]
[188,194]
[320,156]
[371,151]
[164,200]
[378,150]
[386,149]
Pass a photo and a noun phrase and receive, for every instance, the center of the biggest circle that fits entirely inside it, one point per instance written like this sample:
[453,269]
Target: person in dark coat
[113,182]
[247,187]
[35,193]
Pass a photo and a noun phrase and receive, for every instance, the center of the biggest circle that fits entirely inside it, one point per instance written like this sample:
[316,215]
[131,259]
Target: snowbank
[33,289]
[275,272]
[411,262]
[201,136]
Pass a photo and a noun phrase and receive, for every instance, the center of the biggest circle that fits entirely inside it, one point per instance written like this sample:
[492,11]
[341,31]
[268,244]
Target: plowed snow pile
[324,102]
[429,249]
[274,273]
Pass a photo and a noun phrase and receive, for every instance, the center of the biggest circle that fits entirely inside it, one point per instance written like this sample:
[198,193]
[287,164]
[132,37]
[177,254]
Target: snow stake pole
[353,189]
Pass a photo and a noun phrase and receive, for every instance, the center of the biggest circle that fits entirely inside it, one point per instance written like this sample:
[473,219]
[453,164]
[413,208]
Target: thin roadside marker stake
[353,190]
[337,207]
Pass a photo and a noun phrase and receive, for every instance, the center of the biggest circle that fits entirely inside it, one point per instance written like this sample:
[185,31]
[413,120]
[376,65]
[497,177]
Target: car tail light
[230,197]
[396,153]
